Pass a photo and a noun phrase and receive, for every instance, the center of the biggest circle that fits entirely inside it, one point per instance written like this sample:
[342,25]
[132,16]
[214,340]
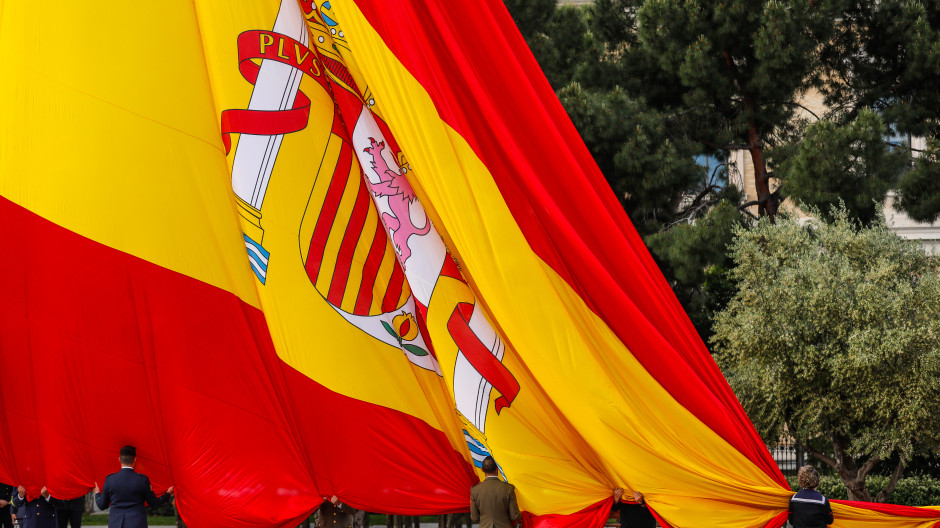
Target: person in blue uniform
[808,507]
[633,514]
[127,493]
[40,512]
[6,496]
[70,511]
[19,512]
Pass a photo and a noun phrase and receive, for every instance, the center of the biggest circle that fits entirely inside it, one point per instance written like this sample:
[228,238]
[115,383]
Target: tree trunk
[851,474]
[767,202]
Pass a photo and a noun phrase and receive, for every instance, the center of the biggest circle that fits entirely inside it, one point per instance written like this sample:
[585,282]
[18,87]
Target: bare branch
[697,205]
[828,461]
[793,103]
[750,214]
[698,198]
[902,145]
[868,466]
[714,172]
[888,490]
[728,146]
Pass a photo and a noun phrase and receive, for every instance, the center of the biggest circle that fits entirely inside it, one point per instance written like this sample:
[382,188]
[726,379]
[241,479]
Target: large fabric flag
[292,249]
[132,301]
[550,253]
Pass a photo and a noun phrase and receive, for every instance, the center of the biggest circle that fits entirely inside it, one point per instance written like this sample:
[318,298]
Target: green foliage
[834,333]
[531,16]
[568,50]
[558,37]
[915,490]
[164,510]
[694,256]
[634,149]
[833,158]
[739,62]
[886,55]
[919,188]
[614,21]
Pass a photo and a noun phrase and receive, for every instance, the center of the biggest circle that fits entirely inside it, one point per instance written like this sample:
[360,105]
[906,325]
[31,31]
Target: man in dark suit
[126,492]
[493,502]
[6,494]
[633,514]
[70,511]
[40,512]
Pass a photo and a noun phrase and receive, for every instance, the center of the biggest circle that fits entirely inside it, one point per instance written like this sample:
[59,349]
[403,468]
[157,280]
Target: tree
[733,73]
[833,335]
[742,65]
[636,137]
[918,190]
[885,56]
[557,36]
[832,158]
[653,85]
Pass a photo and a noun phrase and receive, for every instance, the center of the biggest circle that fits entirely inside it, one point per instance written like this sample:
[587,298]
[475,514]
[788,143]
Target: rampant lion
[394,185]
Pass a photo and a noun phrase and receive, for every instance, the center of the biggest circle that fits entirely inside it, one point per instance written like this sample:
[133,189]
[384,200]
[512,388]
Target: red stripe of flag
[321,233]
[344,260]
[180,361]
[370,270]
[395,285]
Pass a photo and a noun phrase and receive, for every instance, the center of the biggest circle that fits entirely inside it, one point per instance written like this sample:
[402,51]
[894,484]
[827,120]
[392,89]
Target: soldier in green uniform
[493,502]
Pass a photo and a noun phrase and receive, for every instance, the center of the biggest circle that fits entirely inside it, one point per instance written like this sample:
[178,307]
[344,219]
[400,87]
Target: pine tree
[655,84]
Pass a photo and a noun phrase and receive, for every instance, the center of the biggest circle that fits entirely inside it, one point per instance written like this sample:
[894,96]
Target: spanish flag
[294,249]
[251,359]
